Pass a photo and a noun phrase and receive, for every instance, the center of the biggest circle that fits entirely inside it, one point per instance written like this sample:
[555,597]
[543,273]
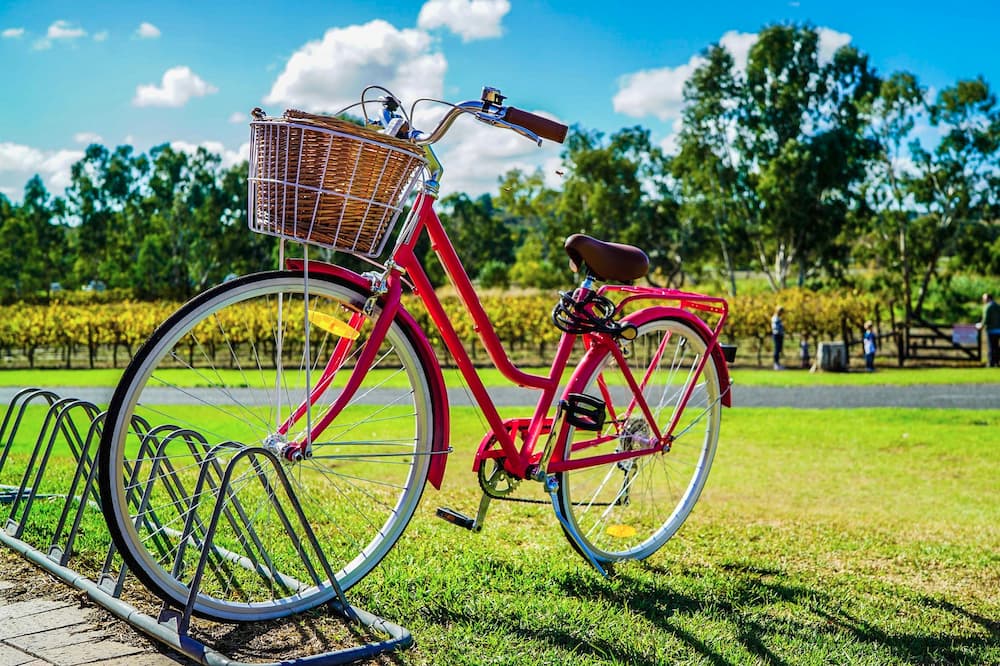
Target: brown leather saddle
[608,262]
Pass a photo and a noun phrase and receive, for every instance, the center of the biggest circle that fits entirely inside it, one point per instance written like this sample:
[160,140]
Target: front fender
[440,437]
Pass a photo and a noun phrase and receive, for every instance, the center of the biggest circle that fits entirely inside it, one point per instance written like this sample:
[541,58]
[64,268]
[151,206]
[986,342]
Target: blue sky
[187,73]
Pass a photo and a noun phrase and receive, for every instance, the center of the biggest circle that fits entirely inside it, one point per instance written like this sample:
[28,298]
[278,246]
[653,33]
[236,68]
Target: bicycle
[324,370]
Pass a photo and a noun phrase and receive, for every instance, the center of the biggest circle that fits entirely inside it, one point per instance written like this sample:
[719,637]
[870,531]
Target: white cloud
[64,30]
[238,118]
[654,92]
[12,33]
[18,163]
[16,157]
[101,36]
[475,156]
[829,42]
[87,138]
[330,73]
[179,84]
[229,157]
[660,92]
[739,44]
[668,144]
[147,31]
[470,19]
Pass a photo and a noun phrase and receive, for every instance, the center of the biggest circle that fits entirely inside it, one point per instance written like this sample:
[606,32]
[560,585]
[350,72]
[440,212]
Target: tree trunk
[904,259]
[724,247]
[931,270]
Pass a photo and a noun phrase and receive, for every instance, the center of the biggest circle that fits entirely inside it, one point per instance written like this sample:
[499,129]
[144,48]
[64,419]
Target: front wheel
[221,376]
[628,508]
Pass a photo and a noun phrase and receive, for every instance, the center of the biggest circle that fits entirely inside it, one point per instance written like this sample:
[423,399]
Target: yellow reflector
[621,531]
[331,324]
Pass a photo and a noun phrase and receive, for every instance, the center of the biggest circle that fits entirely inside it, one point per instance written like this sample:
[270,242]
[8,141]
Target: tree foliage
[778,149]
[928,202]
[811,168]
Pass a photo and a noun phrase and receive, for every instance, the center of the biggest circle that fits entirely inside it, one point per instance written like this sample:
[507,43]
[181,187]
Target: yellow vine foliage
[807,314]
[519,319]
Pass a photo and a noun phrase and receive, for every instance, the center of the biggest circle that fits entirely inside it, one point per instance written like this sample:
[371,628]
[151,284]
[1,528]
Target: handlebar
[543,127]
[491,111]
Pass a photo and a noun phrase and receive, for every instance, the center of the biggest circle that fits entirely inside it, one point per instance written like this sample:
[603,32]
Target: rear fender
[439,402]
[722,368]
[645,315]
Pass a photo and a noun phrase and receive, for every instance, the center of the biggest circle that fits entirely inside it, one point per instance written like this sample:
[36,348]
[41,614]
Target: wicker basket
[328,182]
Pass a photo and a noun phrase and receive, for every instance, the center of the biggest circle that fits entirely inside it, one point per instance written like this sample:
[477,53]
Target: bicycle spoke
[357,491]
[629,507]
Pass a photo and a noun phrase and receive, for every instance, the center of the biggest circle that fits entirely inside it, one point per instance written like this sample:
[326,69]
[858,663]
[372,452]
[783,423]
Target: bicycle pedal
[456,518]
[584,412]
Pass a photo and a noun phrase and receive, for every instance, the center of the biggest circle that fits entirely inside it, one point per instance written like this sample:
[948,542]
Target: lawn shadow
[739,594]
[936,647]
[657,603]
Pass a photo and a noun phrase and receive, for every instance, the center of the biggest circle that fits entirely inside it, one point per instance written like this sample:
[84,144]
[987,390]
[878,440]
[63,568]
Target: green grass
[743,376]
[875,543]
[866,536]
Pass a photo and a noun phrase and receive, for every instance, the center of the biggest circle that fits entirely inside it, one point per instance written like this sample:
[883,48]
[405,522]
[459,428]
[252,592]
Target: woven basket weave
[328,182]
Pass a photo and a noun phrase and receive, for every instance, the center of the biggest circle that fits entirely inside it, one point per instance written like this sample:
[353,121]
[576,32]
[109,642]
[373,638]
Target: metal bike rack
[76,425]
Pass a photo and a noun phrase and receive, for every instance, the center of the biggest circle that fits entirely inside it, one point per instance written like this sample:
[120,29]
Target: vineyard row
[101,334]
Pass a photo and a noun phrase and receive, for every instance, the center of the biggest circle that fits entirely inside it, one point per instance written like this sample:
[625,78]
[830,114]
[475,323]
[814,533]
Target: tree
[11,237]
[191,226]
[242,251]
[705,165]
[617,190]
[32,243]
[478,232]
[796,153]
[529,210]
[929,202]
[102,200]
[895,113]
[801,125]
[956,183]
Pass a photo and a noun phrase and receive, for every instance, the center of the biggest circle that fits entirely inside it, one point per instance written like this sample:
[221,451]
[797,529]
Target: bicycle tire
[628,509]
[176,408]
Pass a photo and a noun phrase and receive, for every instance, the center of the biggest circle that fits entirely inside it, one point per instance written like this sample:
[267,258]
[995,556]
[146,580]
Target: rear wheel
[222,375]
[629,508]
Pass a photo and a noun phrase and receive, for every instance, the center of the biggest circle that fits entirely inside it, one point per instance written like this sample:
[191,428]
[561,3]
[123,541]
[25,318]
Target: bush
[494,274]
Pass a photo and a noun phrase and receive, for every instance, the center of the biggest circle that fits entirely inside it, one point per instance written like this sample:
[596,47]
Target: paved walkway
[41,632]
[948,396]
[944,396]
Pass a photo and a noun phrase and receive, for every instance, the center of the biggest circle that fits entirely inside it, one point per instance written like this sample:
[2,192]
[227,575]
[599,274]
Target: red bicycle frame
[501,441]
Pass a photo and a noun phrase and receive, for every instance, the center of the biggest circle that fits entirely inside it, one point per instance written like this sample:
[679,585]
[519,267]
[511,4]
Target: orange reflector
[621,531]
[332,325]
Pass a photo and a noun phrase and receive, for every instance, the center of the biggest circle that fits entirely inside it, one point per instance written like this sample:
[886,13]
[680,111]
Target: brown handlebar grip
[543,127]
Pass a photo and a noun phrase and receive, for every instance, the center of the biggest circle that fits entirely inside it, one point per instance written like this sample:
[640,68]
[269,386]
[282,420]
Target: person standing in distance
[991,322]
[870,343]
[778,336]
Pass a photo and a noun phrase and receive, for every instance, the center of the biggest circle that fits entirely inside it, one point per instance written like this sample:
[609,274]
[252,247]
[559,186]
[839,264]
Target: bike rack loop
[63,423]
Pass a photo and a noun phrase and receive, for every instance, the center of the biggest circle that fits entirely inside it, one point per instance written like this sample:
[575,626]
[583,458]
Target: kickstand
[552,485]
